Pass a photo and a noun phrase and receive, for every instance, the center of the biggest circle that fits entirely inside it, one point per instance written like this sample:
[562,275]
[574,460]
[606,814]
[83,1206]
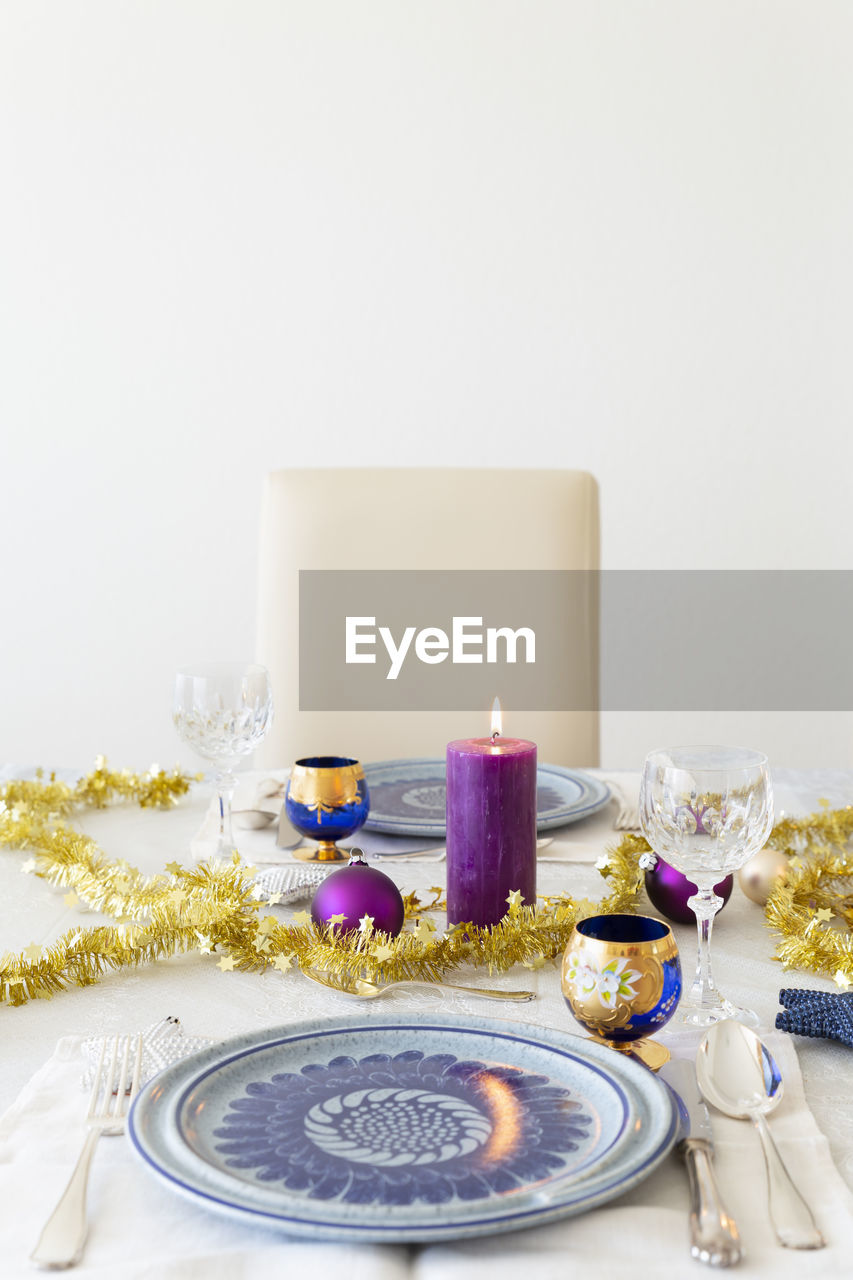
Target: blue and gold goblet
[621,979]
[326,800]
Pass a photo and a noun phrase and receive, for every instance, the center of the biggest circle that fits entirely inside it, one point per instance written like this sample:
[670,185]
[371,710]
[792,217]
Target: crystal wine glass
[223,710]
[707,811]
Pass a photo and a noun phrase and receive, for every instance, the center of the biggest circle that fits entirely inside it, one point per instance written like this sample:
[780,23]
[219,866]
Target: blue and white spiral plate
[376,1129]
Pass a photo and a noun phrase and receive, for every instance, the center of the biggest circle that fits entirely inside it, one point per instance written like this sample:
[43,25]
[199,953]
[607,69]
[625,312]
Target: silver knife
[714,1237]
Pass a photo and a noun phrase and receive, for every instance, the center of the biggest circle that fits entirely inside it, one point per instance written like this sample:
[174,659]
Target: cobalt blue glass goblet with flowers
[621,979]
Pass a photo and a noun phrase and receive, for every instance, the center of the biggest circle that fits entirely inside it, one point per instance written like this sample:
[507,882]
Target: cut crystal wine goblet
[223,710]
[706,811]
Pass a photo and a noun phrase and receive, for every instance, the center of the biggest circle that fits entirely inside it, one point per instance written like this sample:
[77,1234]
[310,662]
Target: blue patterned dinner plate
[355,1128]
[407,797]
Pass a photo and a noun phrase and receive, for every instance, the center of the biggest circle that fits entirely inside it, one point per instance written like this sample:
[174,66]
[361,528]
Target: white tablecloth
[139,1229]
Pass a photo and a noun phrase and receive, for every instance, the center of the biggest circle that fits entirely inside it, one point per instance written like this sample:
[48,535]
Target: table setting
[408,1017]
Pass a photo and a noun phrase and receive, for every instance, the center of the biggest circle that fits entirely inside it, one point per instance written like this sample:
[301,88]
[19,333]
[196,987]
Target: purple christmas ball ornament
[356,891]
[669,890]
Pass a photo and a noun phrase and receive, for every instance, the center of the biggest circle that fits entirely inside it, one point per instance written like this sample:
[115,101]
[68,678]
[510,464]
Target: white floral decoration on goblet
[612,981]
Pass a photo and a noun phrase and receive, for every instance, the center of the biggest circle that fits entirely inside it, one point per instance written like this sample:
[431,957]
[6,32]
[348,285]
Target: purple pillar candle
[491,827]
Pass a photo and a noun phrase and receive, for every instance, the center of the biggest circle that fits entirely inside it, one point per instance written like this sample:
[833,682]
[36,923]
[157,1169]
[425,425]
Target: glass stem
[705,904]
[225,784]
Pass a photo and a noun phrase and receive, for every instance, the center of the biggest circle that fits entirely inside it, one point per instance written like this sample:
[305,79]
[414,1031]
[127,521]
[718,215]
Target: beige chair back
[416,519]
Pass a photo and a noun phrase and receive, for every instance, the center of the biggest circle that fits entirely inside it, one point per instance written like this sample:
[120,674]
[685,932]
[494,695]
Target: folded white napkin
[140,1230]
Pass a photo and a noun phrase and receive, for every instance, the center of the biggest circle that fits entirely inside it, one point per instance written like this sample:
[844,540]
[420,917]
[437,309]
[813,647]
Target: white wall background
[256,233]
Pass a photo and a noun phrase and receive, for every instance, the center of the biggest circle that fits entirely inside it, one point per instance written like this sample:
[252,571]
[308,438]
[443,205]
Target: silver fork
[627,814]
[61,1241]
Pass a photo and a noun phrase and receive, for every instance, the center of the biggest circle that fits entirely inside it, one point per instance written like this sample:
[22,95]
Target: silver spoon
[361,989]
[739,1075]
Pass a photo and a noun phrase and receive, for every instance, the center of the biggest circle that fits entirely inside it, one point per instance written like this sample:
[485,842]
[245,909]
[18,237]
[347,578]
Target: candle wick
[495,734]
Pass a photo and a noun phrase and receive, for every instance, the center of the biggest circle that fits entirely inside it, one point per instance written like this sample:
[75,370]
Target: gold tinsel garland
[213,908]
[811,909]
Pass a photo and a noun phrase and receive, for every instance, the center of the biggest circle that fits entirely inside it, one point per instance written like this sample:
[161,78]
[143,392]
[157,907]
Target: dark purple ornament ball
[355,891]
[669,890]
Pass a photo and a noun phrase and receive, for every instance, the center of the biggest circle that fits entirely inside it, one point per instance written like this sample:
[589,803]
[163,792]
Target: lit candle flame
[497,718]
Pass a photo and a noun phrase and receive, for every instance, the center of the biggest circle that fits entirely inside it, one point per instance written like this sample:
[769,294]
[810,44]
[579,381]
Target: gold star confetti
[267,925]
[538,962]
[453,930]
[173,868]
[33,952]
[283,961]
[274,899]
[382,952]
[226,964]
[28,867]
[823,915]
[425,929]
[603,862]
[263,945]
[244,866]
[365,924]
[302,918]
[70,899]
[337,919]
[205,944]
[514,899]
[841,979]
